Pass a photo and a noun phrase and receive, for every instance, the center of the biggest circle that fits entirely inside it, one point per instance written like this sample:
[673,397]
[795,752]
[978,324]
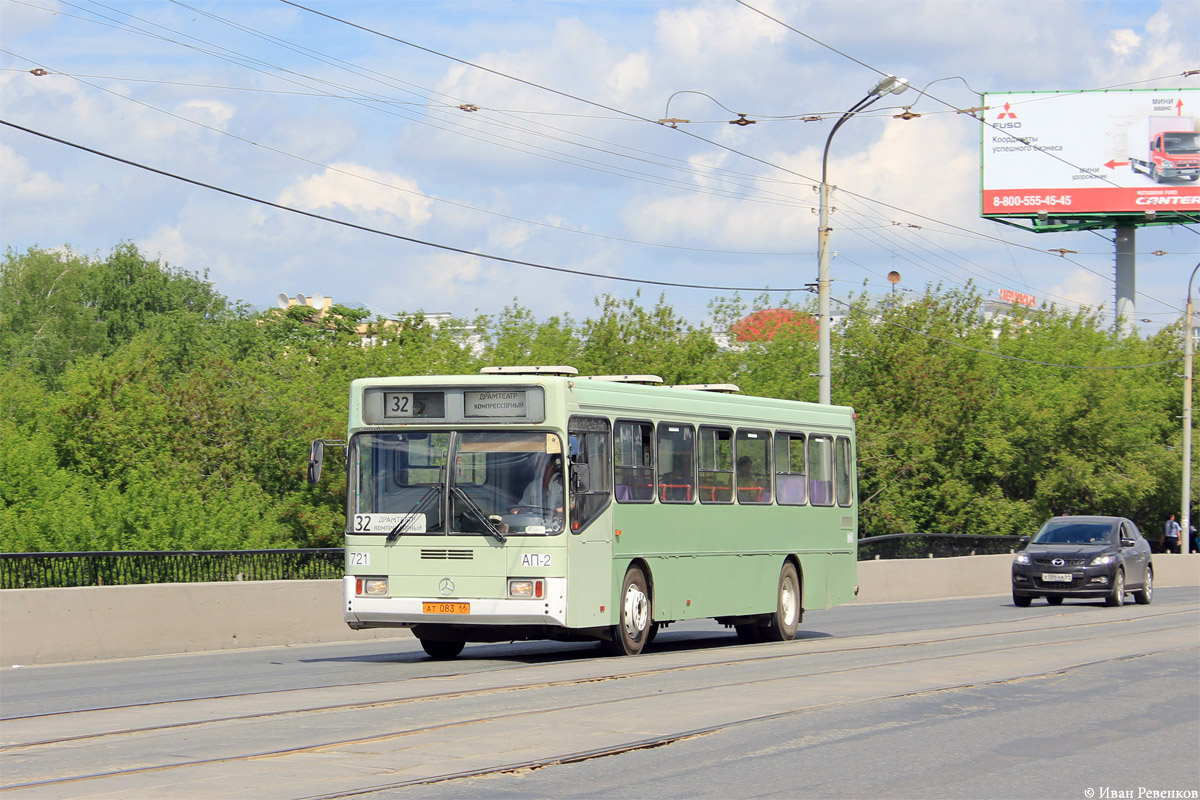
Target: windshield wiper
[411,514]
[478,512]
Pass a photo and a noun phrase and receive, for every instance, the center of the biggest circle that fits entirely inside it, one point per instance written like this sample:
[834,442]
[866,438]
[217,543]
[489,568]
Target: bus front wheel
[441,650]
[632,630]
[785,620]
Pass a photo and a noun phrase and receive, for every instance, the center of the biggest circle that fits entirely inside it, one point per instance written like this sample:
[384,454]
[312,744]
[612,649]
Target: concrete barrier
[45,626]
[895,580]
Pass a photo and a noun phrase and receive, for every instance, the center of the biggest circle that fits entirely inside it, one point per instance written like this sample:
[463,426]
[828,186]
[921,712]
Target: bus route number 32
[397,404]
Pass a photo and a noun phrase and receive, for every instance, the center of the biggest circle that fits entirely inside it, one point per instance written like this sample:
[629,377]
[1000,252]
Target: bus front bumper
[404,612]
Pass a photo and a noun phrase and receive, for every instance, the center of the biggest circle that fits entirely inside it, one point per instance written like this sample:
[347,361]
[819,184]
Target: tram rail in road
[376,737]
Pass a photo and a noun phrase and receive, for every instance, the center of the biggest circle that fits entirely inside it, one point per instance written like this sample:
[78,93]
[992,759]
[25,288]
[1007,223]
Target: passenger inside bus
[749,489]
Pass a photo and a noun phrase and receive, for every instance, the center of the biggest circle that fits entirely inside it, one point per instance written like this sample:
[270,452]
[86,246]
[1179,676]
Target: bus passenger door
[590,527]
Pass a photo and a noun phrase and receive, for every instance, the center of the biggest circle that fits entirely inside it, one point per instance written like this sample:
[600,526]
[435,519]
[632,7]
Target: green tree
[45,320]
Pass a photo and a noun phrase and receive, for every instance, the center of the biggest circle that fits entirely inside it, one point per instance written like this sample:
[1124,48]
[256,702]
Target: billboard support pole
[1126,308]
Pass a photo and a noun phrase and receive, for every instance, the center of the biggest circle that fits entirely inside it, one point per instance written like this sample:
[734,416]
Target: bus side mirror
[316,453]
[581,477]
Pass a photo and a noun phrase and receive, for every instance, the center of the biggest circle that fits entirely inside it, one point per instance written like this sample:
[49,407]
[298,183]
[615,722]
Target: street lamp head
[890,84]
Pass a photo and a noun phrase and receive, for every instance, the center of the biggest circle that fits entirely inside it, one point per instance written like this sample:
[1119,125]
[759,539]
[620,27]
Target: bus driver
[544,494]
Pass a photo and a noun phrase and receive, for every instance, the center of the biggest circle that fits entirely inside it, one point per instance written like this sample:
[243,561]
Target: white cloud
[360,189]
[213,113]
[25,184]
[1086,288]
[628,77]
[725,33]
[1121,43]
[1162,51]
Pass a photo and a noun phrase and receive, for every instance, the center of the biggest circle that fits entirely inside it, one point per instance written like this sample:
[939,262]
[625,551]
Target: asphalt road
[969,698]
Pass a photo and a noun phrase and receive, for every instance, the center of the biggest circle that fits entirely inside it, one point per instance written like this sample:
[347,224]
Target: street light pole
[1189,347]
[889,85]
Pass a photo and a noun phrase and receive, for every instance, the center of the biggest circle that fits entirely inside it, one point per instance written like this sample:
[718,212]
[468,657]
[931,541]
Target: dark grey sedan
[1084,557]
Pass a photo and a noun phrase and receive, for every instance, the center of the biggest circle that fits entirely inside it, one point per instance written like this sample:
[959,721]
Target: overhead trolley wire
[412,239]
[741,153]
[501,215]
[520,262]
[377,98]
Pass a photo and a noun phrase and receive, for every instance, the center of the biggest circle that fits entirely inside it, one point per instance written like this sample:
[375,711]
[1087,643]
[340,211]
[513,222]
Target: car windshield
[1074,533]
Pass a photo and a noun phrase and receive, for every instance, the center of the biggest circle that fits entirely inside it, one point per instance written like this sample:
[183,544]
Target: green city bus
[533,503]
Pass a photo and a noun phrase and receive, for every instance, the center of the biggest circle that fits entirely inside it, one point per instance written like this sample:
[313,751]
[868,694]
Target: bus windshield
[440,482]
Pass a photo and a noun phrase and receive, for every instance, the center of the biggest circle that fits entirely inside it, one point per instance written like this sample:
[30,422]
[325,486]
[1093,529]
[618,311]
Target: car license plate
[1056,577]
[446,608]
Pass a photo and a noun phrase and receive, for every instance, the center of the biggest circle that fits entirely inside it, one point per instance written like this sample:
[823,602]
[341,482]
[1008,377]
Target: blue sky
[562,164]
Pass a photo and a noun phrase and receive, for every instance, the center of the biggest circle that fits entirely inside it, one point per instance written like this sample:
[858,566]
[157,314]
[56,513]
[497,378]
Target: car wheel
[1117,596]
[1021,600]
[1144,595]
[1054,599]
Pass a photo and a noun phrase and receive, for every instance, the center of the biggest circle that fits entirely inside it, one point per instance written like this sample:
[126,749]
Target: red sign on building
[1009,296]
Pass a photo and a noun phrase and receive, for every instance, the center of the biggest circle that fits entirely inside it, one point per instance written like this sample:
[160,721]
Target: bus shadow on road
[547,652]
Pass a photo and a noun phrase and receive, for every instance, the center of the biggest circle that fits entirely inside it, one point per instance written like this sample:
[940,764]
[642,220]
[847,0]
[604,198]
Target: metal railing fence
[934,545]
[118,568]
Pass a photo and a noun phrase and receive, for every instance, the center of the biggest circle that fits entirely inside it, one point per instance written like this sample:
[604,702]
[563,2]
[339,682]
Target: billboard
[1065,154]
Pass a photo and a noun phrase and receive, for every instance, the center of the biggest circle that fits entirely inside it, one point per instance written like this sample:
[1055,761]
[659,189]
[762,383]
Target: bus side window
[634,462]
[676,463]
[790,473]
[844,463]
[716,465]
[820,470]
[753,466]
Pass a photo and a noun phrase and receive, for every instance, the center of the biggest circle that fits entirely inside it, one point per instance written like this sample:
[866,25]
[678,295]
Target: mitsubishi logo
[1007,113]
[446,586]
[1058,562]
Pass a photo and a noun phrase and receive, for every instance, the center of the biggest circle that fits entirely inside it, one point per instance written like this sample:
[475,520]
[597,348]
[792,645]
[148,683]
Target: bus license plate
[1056,577]
[446,608]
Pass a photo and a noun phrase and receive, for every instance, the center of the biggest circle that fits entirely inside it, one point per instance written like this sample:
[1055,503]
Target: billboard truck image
[1165,146]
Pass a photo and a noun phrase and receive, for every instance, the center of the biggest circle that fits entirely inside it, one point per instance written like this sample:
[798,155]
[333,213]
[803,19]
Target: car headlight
[1021,558]
[1100,561]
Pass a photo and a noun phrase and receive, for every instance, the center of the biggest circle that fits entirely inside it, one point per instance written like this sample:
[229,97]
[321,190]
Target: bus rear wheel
[632,630]
[442,650]
[785,620]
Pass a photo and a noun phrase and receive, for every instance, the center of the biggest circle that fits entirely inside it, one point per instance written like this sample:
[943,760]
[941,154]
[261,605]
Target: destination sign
[494,404]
